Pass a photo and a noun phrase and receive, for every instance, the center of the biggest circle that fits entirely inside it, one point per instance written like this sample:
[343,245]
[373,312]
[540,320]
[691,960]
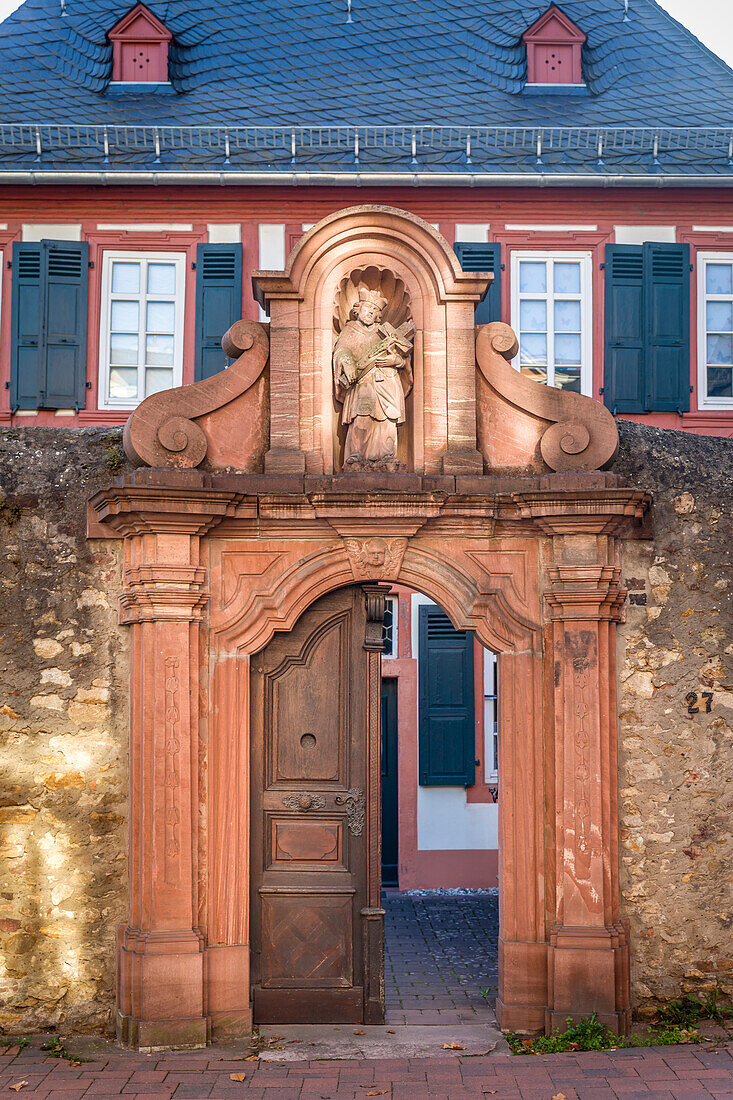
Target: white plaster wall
[446,821]
[640,234]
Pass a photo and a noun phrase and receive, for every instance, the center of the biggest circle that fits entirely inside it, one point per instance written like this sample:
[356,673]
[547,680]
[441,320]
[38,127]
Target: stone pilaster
[160,951]
[588,945]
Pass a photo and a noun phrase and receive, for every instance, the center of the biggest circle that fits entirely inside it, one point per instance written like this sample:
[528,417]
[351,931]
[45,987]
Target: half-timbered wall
[268,223]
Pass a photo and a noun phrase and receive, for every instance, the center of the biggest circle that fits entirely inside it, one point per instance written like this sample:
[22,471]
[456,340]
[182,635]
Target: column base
[160,989]
[148,1035]
[282,461]
[522,1001]
[463,462]
[228,1002]
[588,972]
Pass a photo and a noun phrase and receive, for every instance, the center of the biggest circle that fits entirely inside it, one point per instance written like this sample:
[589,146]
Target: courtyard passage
[441,956]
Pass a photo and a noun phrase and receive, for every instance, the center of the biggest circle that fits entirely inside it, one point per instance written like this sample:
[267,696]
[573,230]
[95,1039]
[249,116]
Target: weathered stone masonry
[63,726]
[63,734]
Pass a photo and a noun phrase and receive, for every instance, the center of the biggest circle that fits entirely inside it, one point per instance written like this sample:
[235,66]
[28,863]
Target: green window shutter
[218,303]
[667,327]
[624,384]
[25,328]
[64,277]
[483,257]
[446,693]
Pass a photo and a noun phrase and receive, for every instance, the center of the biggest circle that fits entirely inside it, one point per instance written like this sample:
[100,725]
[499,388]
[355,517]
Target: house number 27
[691,700]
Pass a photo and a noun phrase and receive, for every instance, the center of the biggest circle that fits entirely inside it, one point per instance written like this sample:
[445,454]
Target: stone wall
[63,734]
[676,778]
[63,726]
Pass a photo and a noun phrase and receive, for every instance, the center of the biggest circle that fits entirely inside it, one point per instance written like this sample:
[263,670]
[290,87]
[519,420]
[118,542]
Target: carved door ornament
[372,369]
[304,802]
[355,804]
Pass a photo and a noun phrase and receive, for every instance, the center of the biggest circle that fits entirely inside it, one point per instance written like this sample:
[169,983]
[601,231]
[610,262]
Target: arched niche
[440,430]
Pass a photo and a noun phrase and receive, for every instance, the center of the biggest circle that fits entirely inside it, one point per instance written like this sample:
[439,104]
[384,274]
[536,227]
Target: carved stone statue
[372,373]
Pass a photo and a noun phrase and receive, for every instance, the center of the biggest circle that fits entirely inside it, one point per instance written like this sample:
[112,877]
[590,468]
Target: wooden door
[317,926]
[390,833]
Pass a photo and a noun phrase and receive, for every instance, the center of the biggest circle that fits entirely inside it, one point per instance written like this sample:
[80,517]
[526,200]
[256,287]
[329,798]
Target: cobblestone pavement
[659,1073]
[441,951]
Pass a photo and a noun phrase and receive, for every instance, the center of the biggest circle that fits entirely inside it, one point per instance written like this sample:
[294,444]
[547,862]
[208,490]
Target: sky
[710,20]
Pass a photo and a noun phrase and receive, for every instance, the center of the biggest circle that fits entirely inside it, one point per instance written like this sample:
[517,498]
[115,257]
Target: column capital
[611,510]
[585,592]
[163,592]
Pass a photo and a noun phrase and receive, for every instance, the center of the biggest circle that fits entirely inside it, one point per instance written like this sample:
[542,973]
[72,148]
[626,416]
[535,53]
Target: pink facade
[268,224]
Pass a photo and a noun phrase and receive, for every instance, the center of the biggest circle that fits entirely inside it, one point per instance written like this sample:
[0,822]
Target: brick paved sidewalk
[658,1073]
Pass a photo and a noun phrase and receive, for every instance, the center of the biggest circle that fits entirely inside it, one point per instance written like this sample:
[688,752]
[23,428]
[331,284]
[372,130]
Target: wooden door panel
[305,843]
[309,726]
[310,903]
[307,940]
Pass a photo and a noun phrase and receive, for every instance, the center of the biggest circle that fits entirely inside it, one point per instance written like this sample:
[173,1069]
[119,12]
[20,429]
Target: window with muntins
[551,314]
[141,341]
[715,329]
[389,627]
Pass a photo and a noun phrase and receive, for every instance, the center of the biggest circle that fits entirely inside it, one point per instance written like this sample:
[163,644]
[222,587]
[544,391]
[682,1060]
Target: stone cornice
[193,503]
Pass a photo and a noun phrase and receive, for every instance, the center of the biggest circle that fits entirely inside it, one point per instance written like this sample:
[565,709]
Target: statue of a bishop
[372,374]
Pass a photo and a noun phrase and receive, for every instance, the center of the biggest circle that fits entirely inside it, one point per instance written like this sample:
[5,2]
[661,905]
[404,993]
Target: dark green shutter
[49,325]
[647,328]
[623,382]
[483,257]
[218,303]
[446,693]
[667,308]
[64,295]
[25,329]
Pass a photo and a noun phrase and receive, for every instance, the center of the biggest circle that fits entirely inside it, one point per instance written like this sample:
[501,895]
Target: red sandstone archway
[256,560]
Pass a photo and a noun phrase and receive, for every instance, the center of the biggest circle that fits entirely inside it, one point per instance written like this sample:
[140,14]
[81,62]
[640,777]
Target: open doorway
[440,789]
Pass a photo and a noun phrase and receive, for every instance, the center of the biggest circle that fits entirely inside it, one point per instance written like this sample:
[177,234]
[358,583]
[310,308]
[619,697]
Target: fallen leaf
[237,1076]
[358,1032]
[252,1058]
[377,1092]
[390,1031]
[453,1046]
[19,1086]
[75,1063]
[559,1096]
[489,1092]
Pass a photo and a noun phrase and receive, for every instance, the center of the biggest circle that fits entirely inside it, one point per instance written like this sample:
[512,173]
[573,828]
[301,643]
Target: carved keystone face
[376,551]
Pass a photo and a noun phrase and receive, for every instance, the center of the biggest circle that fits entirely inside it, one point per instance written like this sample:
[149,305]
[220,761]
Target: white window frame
[491,705]
[586,309]
[703,401]
[394,601]
[109,256]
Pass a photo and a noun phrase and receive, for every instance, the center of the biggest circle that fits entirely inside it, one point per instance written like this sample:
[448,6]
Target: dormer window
[553,50]
[140,48]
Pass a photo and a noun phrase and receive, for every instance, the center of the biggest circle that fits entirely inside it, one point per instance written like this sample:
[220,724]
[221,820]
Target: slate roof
[428,86]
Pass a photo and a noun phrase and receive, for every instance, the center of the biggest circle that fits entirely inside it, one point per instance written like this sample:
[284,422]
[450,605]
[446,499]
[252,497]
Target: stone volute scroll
[540,424]
[164,430]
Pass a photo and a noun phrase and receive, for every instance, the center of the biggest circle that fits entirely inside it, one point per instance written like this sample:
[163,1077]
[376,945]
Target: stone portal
[497,507]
